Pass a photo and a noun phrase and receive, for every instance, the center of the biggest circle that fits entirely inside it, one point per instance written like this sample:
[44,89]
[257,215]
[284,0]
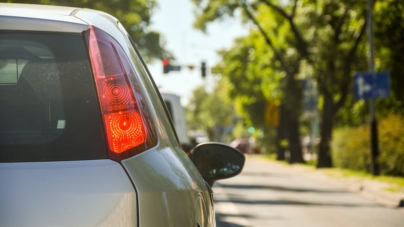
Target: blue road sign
[370,86]
[383,85]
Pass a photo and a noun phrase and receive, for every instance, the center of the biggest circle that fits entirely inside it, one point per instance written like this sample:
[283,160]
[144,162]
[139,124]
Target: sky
[174,20]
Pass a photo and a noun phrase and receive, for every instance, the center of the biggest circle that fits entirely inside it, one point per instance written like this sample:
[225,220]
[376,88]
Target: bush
[391,143]
[351,148]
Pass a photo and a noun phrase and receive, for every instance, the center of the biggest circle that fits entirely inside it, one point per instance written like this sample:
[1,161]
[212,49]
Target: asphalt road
[266,194]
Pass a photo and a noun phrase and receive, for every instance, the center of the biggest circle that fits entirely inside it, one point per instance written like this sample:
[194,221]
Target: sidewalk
[375,190]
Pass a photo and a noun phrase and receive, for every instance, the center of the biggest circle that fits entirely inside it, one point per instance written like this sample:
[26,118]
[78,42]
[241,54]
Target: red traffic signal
[166,65]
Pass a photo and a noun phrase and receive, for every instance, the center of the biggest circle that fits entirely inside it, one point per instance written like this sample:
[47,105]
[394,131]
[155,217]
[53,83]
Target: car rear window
[48,105]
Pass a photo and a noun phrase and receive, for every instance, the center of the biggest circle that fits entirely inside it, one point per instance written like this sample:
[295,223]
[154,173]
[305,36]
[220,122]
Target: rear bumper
[73,193]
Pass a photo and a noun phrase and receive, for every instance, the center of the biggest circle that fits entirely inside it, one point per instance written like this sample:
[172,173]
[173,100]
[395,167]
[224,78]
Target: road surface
[267,194]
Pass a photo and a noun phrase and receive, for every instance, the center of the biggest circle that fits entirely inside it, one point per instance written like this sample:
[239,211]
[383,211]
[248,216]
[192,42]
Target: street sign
[370,86]
[272,114]
[310,105]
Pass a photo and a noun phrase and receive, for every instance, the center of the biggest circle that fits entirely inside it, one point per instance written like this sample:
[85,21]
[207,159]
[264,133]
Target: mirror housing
[216,161]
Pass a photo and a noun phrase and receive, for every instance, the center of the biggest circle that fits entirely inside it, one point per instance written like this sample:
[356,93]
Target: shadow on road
[223,220]
[283,202]
[280,188]
[258,174]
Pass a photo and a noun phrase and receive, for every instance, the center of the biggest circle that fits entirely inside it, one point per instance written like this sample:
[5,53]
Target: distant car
[85,138]
[198,136]
[246,145]
[241,144]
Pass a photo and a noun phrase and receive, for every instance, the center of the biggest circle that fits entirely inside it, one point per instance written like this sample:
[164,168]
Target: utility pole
[375,170]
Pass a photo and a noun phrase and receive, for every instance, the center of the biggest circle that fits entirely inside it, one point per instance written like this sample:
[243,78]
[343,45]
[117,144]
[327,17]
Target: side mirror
[216,161]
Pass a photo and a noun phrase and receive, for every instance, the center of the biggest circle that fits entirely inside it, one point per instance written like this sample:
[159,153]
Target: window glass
[48,104]
[10,70]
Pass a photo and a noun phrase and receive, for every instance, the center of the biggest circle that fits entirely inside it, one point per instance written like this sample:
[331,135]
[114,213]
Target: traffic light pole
[374,140]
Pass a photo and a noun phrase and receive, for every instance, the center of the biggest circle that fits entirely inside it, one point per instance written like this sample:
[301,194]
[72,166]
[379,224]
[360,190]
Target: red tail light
[128,126]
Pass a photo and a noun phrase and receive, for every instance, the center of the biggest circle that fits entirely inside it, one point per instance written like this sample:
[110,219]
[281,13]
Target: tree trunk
[295,147]
[281,133]
[293,100]
[324,159]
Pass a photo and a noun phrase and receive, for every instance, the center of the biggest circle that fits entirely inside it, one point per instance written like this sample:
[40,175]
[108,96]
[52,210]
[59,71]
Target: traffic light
[203,69]
[166,65]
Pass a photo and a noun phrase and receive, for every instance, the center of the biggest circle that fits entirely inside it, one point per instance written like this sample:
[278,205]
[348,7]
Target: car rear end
[84,139]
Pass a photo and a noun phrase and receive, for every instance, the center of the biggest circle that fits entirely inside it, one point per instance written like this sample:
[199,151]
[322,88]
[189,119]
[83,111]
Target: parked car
[197,137]
[241,144]
[85,139]
[246,145]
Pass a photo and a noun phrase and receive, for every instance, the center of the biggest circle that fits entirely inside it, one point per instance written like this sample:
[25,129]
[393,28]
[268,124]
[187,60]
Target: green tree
[251,81]
[339,49]
[335,35]
[389,36]
[285,59]
[211,112]
[135,16]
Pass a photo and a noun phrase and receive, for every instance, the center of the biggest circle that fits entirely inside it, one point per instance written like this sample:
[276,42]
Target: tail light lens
[128,125]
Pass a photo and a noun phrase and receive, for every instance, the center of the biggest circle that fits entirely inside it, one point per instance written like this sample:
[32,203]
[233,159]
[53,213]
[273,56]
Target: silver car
[85,138]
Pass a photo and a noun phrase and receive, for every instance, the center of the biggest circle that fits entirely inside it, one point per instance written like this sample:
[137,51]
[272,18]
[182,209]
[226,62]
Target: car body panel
[71,193]
[176,196]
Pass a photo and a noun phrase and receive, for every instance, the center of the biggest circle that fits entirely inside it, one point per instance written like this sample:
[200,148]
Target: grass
[399,181]
[393,189]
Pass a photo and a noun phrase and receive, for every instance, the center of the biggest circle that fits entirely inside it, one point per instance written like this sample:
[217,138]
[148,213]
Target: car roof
[16,9]
[32,17]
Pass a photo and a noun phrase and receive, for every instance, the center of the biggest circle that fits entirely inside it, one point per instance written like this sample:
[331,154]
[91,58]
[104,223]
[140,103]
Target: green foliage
[210,111]
[389,36]
[351,148]
[134,15]
[391,131]
[208,11]
[389,56]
